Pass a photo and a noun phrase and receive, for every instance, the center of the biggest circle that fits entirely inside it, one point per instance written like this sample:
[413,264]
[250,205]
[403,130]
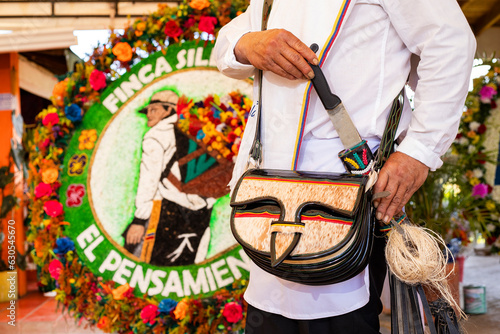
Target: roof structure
[481,14]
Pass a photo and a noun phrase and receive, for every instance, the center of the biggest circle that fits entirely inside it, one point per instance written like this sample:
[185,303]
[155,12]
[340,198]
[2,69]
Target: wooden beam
[488,20]
[465,4]
[462,3]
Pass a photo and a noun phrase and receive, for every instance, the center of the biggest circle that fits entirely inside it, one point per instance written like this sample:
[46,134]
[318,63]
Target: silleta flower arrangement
[479,208]
[217,122]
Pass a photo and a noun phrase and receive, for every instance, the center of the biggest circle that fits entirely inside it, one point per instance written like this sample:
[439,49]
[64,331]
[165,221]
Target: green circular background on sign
[111,174]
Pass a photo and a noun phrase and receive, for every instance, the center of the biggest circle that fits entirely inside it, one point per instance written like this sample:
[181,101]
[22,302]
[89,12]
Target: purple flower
[480,190]
[487,92]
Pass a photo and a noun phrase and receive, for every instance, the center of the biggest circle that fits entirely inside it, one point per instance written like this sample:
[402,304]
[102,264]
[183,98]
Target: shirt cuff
[230,58]
[419,151]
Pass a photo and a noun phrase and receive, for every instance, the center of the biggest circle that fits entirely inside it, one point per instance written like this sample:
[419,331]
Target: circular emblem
[147,172]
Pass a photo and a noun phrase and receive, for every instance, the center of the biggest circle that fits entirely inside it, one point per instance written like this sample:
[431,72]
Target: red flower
[172,29]
[481,129]
[233,312]
[42,189]
[149,314]
[97,80]
[53,208]
[189,23]
[207,24]
[74,195]
[50,119]
[55,267]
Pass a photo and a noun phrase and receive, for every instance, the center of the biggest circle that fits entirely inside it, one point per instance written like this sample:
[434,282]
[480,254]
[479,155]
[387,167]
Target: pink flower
[55,268]
[43,189]
[480,190]
[53,208]
[487,92]
[149,314]
[50,119]
[233,312]
[97,80]
[207,24]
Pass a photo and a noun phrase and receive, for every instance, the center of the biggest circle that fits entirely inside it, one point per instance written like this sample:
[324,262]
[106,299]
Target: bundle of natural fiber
[414,256]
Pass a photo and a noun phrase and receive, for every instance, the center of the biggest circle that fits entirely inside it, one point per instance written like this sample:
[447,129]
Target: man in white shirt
[366,48]
[168,224]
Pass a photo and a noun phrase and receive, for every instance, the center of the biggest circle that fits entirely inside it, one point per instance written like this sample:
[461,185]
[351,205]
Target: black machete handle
[329,100]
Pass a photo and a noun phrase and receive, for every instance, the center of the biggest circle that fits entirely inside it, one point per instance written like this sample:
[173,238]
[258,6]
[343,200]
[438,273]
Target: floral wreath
[479,209]
[112,307]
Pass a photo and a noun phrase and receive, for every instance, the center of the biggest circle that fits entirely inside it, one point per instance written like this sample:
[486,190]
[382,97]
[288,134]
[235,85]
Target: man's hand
[278,51]
[401,175]
[135,234]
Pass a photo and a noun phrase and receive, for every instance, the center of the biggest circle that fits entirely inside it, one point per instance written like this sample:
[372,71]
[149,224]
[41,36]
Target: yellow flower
[87,139]
[199,4]
[475,140]
[490,205]
[181,310]
[122,51]
[474,181]
[50,175]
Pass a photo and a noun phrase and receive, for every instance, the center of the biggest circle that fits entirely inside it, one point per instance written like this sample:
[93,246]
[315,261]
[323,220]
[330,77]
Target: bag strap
[256,149]
[386,144]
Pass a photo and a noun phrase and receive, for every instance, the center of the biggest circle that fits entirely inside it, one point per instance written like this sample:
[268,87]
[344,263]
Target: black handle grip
[329,100]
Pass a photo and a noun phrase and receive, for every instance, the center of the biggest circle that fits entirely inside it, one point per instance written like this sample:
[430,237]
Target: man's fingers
[287,67]
[264,49]
[300,56]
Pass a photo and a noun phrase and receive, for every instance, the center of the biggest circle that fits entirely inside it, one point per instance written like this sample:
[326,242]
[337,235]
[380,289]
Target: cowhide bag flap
[311,228]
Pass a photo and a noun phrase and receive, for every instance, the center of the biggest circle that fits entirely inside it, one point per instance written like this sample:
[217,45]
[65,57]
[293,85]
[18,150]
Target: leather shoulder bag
[309,227]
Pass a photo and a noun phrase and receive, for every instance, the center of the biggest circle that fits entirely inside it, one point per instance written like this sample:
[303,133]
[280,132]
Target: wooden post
[9,84]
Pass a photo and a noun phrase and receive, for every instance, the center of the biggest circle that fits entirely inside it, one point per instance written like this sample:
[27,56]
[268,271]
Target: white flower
[471,149]
[474,126]
[463,141]
[494,216]
[478,173]
[497,242]
[226,99]
[490,227]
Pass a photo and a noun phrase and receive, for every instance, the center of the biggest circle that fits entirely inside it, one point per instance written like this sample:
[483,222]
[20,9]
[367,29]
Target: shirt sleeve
[149,177]
[439,34]
[225,43]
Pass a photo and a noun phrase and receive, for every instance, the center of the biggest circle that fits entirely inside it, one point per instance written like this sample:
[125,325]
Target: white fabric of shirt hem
[263,300]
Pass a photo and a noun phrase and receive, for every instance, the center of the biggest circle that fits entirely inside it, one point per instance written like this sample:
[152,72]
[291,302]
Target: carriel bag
[309,227]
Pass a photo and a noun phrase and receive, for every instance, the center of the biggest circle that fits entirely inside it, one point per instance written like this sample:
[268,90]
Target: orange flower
[50,175]
[199,4]
[59,92]
[181,310]
[103,323]
[39,247]
[141,26]
[122,51]
[119,292]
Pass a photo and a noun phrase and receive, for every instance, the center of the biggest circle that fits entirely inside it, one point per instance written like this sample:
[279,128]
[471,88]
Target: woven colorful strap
[392,223]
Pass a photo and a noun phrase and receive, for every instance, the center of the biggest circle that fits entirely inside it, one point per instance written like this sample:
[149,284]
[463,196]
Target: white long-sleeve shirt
[366,67]
[158,148]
